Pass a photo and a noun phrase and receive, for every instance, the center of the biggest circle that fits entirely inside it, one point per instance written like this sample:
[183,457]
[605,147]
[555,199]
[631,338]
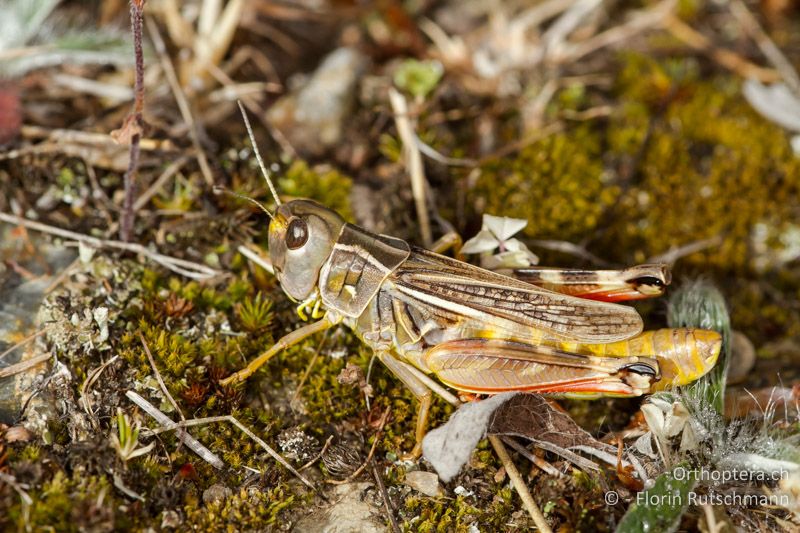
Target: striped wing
[487,300]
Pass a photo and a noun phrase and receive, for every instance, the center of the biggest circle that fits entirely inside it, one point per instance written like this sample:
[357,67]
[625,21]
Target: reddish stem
[126,225]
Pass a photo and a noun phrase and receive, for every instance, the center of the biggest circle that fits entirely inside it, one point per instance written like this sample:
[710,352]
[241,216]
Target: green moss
[255,313]
[707,165]
[247,510]
[71,504]
[461,514]
[682,158]
[558,184]
[324,184]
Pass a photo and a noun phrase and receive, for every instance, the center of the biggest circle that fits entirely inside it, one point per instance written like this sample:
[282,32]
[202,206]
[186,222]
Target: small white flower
[496,234]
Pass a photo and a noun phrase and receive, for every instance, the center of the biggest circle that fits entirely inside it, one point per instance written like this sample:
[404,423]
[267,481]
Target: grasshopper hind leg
[492,366]
[421,392]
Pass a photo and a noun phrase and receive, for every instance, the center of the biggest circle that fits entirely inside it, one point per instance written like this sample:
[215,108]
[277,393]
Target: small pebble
[425,482]
[171,520]
[215,493]
[18,434]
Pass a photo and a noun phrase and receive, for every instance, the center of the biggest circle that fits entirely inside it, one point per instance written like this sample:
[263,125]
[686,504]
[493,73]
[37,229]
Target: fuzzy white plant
[31,37]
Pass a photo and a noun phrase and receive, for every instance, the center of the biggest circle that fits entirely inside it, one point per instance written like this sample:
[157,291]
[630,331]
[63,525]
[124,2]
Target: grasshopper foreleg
[420,391]
[284,342]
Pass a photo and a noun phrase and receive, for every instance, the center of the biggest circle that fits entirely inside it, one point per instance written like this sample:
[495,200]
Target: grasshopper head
[301,238]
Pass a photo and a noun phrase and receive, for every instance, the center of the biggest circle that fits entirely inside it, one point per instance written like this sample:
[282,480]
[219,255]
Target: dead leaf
[129,128]
[532,417]
[449,446]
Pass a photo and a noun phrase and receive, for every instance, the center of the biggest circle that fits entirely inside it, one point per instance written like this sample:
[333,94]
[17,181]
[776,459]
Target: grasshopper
[475,330]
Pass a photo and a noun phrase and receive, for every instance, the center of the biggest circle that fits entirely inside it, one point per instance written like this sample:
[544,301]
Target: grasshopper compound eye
[296,234]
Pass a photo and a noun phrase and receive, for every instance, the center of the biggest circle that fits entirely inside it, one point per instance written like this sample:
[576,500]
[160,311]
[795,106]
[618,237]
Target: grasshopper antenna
[258,154]
[219,190]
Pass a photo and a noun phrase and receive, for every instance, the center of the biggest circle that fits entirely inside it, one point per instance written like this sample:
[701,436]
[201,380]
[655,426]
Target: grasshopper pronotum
[475,330]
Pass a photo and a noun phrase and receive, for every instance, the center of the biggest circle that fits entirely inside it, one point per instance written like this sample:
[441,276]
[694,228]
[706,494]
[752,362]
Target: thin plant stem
[126,224]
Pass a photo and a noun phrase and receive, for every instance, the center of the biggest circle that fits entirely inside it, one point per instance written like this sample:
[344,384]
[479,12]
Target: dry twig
[186,268]
[169,425]
[519,484]
[385,496]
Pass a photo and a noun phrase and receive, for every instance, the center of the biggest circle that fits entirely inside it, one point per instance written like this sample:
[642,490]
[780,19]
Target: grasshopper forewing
[478,331]
[633,283]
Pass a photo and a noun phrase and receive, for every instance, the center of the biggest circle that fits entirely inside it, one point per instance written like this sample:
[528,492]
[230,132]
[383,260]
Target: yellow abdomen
[683,354]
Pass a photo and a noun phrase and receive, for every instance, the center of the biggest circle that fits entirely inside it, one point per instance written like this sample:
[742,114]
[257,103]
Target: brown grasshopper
[476,330]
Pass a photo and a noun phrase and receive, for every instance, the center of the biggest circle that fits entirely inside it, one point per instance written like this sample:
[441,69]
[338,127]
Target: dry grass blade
[671,256]
[169,425]
[186,268]
[541,463]
[554,39]
[192,443]
[162,385]
[11,481]
[215,30]
[726,58]
[22,366]
[84,400]
[307,372]
[180,98]
[257,258]
[151,191]
[570,248]
[519,484]
[767,45]
[640,22]
[413,162]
